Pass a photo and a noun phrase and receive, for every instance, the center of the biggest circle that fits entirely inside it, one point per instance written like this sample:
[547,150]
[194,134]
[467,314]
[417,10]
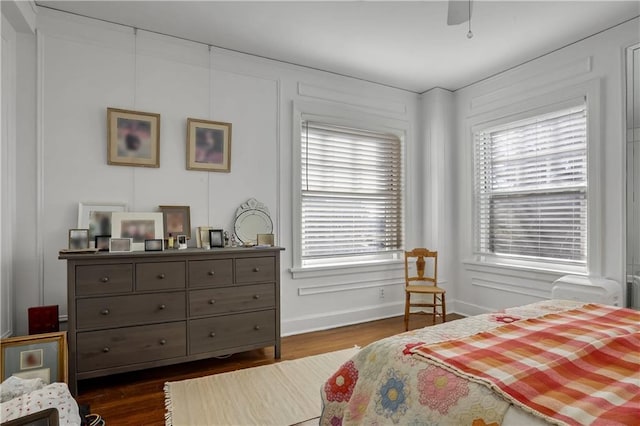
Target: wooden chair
[421,284]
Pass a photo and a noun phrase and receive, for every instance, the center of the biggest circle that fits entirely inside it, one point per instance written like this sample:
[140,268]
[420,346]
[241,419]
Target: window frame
[589,92]
[307,111]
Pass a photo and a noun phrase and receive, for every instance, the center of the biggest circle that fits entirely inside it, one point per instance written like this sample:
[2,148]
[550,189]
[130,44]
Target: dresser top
[189,252]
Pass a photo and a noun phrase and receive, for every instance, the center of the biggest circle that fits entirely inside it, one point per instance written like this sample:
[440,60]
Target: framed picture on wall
[133,138]
[38,356]
[208,145]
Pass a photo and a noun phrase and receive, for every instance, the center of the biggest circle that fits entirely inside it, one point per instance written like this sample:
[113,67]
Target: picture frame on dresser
[42,356]
[101,242]
[78,239]
[216,238]
[96,217]
[177,220]
[120,245]
[138,226]
[133,138]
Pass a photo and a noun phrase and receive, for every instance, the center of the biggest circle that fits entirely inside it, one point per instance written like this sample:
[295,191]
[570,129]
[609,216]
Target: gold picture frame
[208,145]
[133,138]
[177,221]
[36,356]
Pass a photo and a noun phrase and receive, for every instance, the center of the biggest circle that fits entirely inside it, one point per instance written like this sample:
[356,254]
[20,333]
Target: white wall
[81,67]
[596,64]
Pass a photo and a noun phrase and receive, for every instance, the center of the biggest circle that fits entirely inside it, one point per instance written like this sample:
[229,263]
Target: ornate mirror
[252,218]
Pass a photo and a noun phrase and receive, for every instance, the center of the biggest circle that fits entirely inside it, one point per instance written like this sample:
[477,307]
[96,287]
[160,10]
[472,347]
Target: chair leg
[406,311]
[435,309]
[444,309]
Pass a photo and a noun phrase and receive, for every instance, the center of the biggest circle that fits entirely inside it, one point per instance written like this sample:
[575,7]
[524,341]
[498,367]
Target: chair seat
[424,289]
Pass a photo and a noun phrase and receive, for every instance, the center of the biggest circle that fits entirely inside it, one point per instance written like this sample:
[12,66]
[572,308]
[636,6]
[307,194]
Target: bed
[550,362]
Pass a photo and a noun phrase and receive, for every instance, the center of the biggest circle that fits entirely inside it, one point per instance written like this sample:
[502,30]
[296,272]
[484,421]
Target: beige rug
[285,393]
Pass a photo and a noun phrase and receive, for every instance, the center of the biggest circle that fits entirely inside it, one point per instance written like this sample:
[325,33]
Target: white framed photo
[96,217]
[138,226]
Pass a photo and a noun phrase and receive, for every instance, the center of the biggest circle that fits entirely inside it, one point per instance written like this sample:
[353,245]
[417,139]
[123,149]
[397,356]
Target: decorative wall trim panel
[350,99]
[335,288]
[509,288]
[524,88]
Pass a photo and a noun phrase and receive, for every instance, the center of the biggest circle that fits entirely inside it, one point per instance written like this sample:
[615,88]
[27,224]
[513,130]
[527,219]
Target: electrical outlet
[381,293]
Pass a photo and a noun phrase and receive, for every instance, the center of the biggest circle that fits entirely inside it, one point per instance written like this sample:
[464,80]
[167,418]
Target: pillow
[55,395]
[14,386]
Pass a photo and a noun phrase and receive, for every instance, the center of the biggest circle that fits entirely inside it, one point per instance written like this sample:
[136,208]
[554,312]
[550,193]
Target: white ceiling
[406,45]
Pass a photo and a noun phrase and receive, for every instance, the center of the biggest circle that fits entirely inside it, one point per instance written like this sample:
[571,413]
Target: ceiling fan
[459,12]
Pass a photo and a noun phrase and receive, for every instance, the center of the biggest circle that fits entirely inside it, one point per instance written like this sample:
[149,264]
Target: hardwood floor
[137,398]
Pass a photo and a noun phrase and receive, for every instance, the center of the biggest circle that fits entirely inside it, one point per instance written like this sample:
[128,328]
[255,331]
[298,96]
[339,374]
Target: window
[351,192]
[531,187]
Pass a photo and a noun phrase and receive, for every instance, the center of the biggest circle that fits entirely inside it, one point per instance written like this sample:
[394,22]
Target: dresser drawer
[232,331]
[114,311]
[255,269]
[160,275]
[130,345]
[231,299]
[207,273]
[104,279]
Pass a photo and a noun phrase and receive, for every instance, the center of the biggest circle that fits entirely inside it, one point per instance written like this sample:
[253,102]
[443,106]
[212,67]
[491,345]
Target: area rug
[284,393]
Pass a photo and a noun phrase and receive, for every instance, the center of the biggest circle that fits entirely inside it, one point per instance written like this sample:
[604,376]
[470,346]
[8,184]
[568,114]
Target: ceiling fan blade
[459,11]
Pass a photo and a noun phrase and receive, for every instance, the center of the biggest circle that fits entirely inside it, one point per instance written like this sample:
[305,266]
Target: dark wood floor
[138,398]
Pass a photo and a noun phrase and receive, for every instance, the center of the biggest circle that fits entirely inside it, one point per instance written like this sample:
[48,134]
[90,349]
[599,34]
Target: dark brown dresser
[130,311]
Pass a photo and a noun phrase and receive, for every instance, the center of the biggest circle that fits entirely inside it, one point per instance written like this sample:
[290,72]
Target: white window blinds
[351,192]
[531,187]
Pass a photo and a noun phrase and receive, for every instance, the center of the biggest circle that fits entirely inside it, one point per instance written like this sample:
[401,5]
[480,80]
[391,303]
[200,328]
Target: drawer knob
[212,273]
[256,327]
[212,301]
[163,306]
[105,350]
[256,269]
[212,334]
[256,296]
[104,279]
[162,276]
[105,312]
[163,342]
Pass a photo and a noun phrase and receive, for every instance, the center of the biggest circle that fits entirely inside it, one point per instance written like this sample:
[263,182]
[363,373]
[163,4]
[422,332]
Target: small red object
[43,319]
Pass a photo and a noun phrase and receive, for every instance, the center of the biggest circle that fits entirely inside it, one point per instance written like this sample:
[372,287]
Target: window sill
[346,269]
[515,267]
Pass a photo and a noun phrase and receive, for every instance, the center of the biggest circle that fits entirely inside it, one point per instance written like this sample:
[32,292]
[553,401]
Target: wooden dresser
[130,311]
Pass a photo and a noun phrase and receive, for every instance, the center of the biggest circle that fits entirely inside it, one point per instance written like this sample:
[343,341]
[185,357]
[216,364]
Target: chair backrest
[421,255]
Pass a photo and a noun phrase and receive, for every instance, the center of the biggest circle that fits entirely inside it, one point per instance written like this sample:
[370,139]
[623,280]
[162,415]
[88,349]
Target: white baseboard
[328,320]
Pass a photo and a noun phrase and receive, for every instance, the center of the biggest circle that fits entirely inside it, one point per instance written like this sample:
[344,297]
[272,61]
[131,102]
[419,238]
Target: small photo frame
[216,237]
[182,242]
[120,245]
[78,239]
[153,245]
[208,145]
[39,355]
[265,239]
[133,138]
[102,242]
[177,220]
[202,238]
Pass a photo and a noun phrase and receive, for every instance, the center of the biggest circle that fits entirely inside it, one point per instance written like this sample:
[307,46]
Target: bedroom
[82,65]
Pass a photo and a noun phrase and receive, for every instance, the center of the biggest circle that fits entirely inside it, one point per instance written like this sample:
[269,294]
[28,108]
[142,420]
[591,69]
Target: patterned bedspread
[386,383]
